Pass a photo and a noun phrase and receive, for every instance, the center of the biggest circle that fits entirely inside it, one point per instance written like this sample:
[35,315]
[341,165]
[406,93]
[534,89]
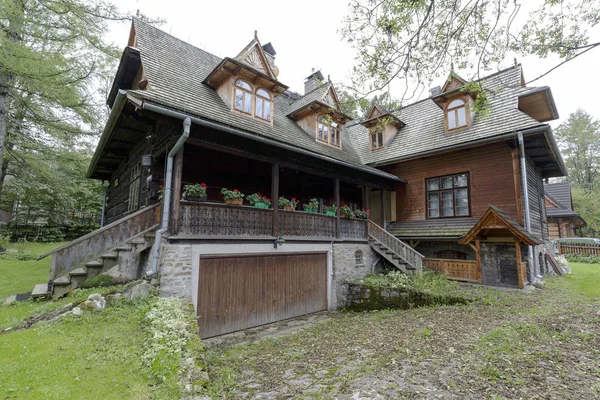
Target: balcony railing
[460,270]
[222,220]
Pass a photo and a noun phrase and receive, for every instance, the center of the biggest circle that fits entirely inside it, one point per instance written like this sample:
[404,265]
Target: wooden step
[62,281]
[78,272]
[94,264]
[112,255]
[41,290]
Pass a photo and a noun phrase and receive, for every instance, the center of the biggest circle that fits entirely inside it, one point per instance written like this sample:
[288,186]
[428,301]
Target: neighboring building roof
[451,228]
[496,219]
[560,194]
[175,71]
[424,120]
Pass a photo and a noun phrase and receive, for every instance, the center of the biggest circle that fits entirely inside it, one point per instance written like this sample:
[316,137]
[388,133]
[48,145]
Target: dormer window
[328,132]
[243,96]
[457,115]
[263,104]
[376,138]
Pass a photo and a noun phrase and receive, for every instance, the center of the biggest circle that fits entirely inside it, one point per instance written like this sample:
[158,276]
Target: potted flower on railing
[330,210]
[362,214]
[312,206]
[232,196]
[346,212]
[195,192]
[259,201]
[286,204]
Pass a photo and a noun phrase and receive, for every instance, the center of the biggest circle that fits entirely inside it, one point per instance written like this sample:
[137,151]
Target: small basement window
[457,115]
[359,258]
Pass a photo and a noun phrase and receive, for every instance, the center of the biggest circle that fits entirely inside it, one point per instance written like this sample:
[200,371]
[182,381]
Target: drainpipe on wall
[167,198]
[530,257]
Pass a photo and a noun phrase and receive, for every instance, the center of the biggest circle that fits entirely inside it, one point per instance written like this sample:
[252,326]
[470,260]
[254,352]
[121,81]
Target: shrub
[582,258]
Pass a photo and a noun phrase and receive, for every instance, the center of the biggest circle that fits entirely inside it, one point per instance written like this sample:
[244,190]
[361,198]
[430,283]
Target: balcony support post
[275,197]
[336,191]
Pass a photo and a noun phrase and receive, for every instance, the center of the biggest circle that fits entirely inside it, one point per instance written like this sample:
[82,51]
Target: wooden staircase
[97,252]
[394,250]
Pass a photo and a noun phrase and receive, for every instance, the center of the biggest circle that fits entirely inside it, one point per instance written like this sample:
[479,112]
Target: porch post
[177,172]
[478,260]
[366,190]
[519,263]
[336,191]
[383,209]
[275,197]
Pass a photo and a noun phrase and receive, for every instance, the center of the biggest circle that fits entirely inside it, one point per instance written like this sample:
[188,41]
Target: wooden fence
[585,249]
[460,270]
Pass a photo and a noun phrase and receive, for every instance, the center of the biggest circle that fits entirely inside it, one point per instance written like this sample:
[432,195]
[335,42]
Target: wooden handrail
[98,231]
[408,254]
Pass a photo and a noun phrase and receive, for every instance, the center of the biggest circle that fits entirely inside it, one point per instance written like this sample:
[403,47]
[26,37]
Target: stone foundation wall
[429,249]
[345,268]
[176,270]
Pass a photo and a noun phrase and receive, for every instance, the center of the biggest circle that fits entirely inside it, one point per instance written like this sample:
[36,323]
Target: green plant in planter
[287,204]
[362,214]
[232,194]
[346,211]
[259,201]
[312,206]
[330,210]
[197,191]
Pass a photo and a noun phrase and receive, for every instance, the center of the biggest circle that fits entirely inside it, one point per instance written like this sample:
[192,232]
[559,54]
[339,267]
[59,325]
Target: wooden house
[563,221]
[447,187]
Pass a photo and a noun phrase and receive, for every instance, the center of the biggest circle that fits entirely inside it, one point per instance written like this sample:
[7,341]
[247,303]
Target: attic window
[328,131]
[376,134]
[263,104]
[243,96]
[456,115]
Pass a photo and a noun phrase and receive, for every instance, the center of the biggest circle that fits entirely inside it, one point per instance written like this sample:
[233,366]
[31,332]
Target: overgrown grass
[96,356]
[427,282]
[20,272]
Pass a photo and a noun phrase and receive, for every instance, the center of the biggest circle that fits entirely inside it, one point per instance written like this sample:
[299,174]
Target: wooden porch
[217,220]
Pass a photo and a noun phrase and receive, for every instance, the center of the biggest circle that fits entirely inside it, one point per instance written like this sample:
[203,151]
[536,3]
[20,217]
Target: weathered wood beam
[336,193]
[519,263]
[275,197]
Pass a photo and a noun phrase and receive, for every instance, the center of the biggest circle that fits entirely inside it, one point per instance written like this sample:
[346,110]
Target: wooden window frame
[264,99]
[243,90]
[447,110]
[453,189]
[330,128]
[378,130]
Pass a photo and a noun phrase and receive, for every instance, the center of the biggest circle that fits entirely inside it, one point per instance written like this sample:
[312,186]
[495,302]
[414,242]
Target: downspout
[167,198]
[530,257]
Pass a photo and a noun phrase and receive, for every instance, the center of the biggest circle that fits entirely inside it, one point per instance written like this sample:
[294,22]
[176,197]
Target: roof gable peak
[454,81]
[254,56]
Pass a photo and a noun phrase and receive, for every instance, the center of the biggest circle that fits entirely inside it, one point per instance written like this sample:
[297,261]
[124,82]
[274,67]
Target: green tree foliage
[579,140]
[358,107]
[421,40]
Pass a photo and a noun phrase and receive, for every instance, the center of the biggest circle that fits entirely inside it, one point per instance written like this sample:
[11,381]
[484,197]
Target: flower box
[235,202]
[289,208]
[330,213]
[260,205]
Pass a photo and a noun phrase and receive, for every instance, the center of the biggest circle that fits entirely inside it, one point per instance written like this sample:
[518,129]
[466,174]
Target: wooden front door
[241,291]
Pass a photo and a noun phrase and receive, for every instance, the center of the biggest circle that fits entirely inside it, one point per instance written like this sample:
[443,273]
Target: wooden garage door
[242,291]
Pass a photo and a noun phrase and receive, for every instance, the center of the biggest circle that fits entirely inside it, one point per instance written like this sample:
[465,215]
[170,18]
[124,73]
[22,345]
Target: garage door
[242,291]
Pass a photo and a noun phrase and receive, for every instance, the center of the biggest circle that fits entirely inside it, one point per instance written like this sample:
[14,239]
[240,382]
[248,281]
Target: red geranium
[236,191]
[203,184]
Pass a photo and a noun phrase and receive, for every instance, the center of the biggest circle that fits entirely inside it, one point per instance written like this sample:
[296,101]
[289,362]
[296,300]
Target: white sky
[305,36]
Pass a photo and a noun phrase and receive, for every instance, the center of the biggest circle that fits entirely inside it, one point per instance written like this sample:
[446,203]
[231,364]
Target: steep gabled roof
[496,220]
[424,131]
[560,194]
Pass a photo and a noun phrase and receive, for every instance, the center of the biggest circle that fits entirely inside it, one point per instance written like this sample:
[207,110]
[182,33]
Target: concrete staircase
[74,279]
[394,250]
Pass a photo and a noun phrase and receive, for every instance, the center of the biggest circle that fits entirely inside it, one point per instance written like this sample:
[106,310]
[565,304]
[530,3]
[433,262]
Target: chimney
[434,91]
[270,53]
[313,81]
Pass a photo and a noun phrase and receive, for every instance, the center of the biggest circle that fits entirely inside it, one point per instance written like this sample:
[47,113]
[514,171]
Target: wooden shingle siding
[491,180]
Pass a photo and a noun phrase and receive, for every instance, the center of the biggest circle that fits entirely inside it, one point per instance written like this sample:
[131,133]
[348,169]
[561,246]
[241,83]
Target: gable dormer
[248,83]
[319,112]
[457,103]
[383,127]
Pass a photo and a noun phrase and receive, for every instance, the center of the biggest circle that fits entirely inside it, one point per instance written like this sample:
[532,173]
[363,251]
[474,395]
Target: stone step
[78,272]
[125,247]
[94,264]
[62,281]
[138,240]
[111,255]
[41,290]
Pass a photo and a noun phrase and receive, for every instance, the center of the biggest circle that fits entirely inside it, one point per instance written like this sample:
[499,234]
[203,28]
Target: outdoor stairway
[394,250]
[99,251]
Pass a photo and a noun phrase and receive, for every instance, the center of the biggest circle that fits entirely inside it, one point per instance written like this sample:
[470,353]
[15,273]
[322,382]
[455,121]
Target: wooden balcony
[217,220]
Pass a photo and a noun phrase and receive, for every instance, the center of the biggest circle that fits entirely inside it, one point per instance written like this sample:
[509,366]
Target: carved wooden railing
[461,270]
[586,249]
[408,254]
[215,219]
[303,224]
[353,228]
[77,253]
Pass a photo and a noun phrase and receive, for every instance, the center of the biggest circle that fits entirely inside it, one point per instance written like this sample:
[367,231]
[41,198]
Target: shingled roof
[175,71]
[453,228]
[424,120]
[560,194]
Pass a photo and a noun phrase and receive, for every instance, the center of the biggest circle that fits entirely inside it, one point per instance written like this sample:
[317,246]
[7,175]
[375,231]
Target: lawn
[541,345]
